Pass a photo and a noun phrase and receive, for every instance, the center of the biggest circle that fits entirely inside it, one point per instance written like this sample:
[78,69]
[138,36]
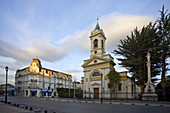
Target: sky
[57,31]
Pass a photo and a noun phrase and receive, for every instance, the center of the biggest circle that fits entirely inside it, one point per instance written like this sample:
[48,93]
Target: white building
[101,63]
[40,82]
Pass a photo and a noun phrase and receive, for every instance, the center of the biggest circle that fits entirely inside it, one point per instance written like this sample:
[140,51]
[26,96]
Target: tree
[134,49]
[114,80]
[159,89]
[163,25]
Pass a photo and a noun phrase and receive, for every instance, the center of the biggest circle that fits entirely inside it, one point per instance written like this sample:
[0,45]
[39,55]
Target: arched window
[95,43]
[102,44]
[96,74]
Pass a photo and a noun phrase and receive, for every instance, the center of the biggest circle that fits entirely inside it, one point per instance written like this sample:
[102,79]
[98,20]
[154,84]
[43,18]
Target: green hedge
[64,93]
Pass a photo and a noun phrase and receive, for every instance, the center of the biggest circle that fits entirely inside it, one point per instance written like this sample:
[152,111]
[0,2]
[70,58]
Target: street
[83,107]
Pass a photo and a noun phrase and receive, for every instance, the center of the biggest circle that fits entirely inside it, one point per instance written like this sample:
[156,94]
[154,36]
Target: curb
[117,103]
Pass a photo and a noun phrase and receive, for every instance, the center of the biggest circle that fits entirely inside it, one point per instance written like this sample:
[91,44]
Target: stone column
[149,93]
[149,67]
[84,81]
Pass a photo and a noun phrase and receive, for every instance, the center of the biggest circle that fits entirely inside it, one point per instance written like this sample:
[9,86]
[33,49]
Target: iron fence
[104,96]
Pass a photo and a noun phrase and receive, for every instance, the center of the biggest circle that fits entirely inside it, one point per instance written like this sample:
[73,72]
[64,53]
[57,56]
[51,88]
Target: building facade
[99,65]
[10,89]
[38,81]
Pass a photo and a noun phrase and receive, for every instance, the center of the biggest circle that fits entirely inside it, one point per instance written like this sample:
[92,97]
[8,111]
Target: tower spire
[97,25]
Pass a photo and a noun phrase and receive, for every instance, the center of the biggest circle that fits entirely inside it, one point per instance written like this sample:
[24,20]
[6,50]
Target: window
[119,87]
[95,43]
[95,61]
[44,94]
[132,88]
[54,93]
[49,94]
[46,71]
[102,44]
[96,74]
[95,52]
[43,85]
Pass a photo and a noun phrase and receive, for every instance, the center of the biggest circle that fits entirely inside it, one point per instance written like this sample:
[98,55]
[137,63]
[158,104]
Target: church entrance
[96,93]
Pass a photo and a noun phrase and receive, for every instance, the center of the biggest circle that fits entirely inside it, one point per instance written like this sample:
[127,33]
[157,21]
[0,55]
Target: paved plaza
[75,106]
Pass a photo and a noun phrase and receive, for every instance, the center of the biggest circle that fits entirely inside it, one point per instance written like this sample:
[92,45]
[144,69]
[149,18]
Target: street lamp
[6,68]
[101,88]
[126,92]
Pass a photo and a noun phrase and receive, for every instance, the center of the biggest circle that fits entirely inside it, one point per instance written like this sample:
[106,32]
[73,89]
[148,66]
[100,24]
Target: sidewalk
[5,108]
[123,102]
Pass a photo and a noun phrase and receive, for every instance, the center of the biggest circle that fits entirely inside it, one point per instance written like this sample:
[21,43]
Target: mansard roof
[40,67]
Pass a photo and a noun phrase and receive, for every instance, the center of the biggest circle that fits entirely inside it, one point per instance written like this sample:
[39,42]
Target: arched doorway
[96,74]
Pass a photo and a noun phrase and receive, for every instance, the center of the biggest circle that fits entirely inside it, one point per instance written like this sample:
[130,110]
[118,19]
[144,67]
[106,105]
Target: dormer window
[95,43]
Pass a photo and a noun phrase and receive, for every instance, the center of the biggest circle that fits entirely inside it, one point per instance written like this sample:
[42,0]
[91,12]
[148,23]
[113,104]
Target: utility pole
[74,85]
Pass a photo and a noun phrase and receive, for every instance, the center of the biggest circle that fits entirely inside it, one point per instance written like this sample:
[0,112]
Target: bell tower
[98,39]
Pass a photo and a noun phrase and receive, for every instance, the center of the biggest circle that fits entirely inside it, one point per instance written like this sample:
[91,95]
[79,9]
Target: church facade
[98,66]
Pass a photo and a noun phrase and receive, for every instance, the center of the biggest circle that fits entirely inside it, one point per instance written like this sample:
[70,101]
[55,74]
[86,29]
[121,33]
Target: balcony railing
[60,77]
[59,83]
[33,80]
[33,87]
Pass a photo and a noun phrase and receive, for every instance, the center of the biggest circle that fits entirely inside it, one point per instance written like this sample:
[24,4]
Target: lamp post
[6,68]
[101,88]
[126,92]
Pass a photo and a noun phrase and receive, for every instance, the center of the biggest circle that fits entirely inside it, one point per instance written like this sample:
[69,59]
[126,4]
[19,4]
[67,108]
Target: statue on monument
[149,92]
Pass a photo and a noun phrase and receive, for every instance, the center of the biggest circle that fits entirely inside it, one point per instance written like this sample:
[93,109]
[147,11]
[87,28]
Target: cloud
[46,51]
[115,26]
[12,51]
[11,79]
[74,71]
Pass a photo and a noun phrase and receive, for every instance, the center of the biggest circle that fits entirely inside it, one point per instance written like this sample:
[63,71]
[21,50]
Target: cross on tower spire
[97,26]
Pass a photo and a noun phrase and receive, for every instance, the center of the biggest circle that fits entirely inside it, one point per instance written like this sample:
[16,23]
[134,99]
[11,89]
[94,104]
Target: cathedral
[98,66]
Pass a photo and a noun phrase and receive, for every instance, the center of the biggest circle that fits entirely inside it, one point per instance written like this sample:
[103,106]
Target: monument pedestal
[150,97]
[149,94]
